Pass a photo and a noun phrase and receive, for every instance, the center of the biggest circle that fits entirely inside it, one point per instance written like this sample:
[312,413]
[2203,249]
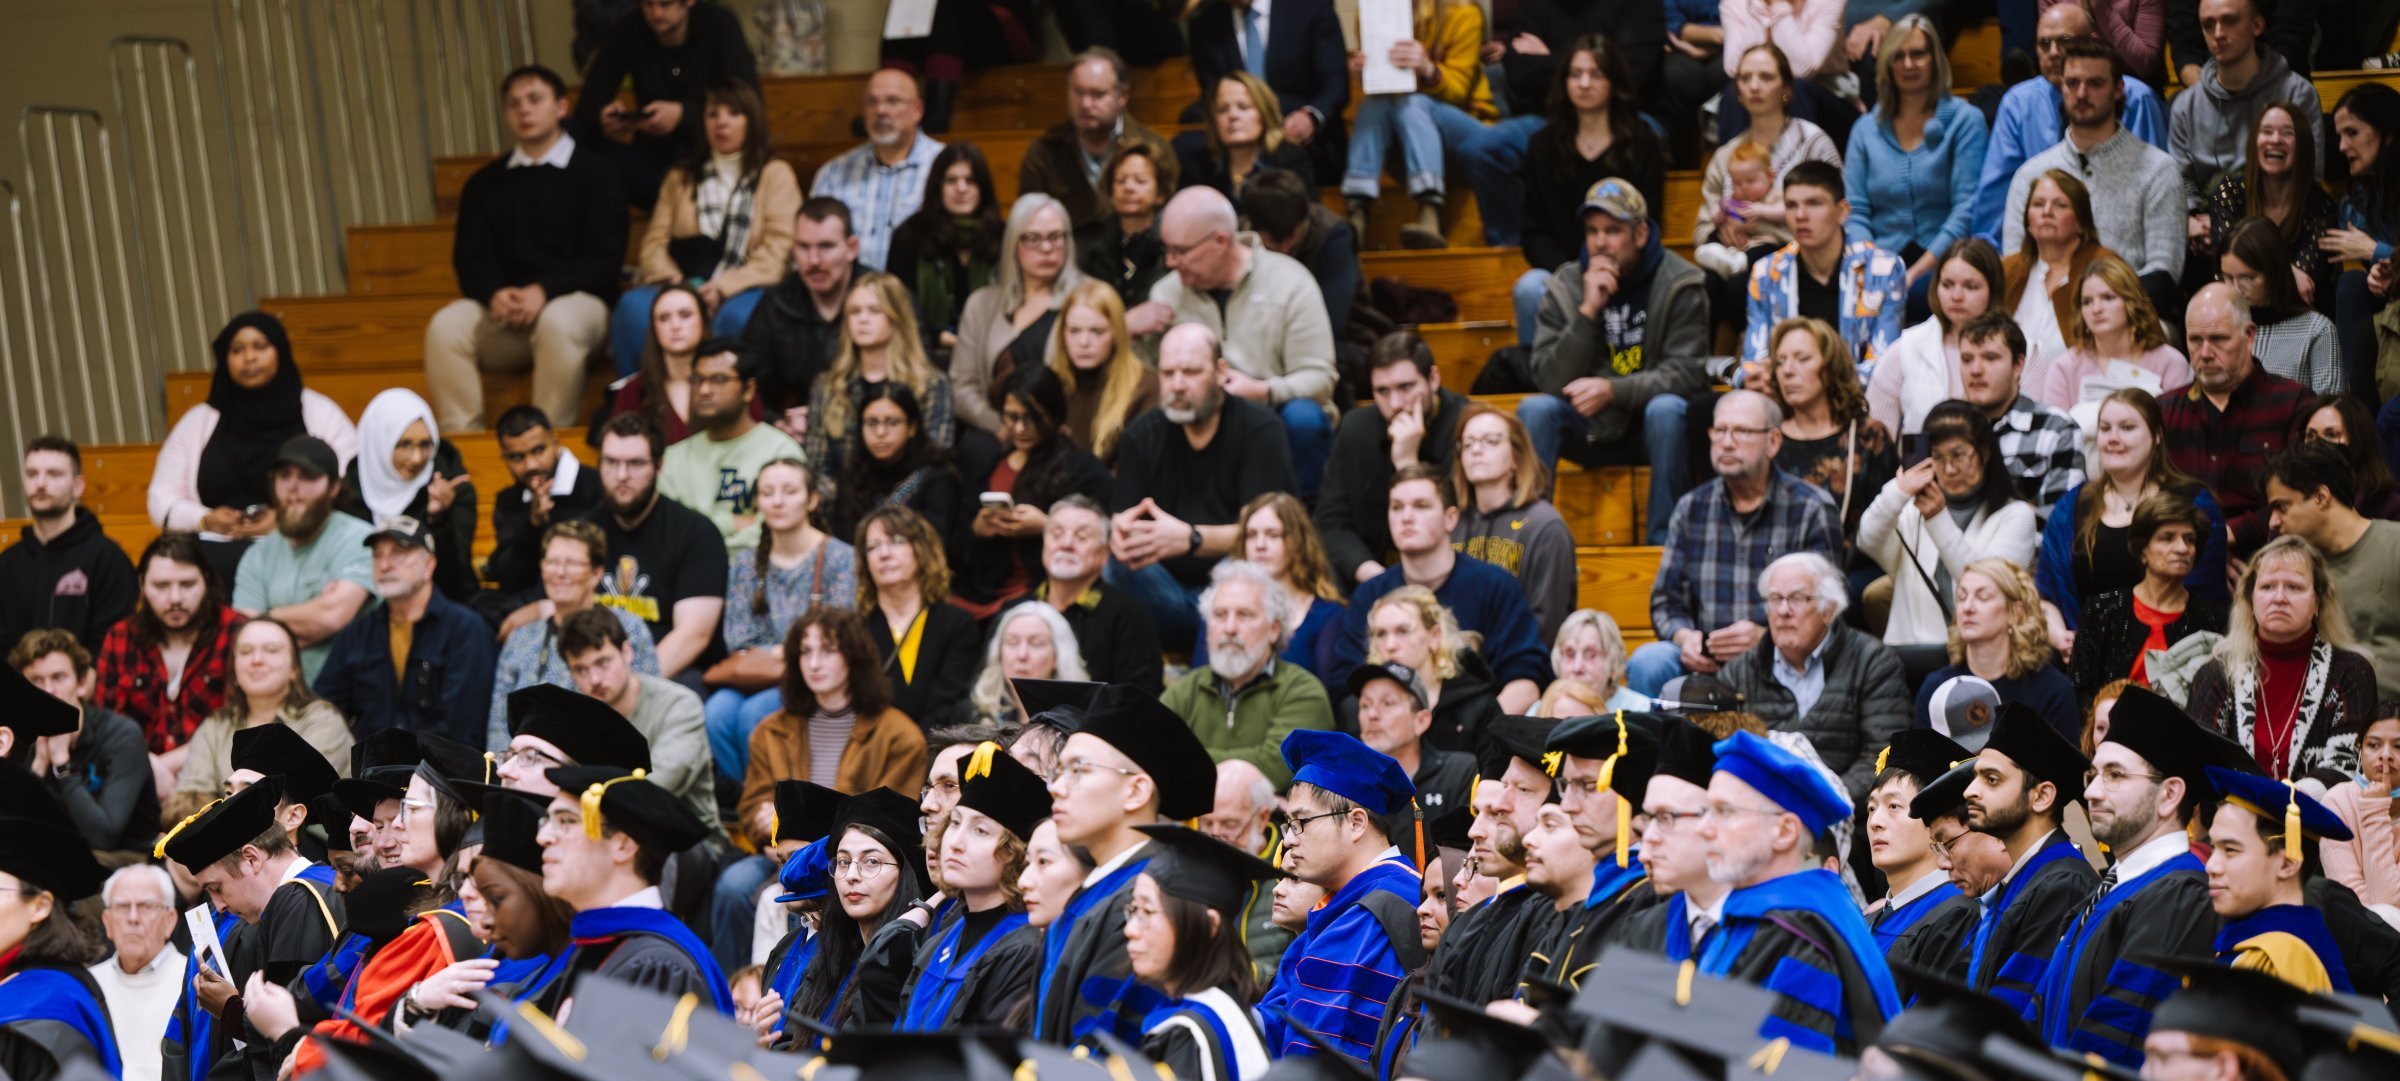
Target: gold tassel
[541,1022]
[2291,822]
[1551,760]
[774,826]
[980,763]
[1683,983]
[1624,833]
[591,801]
[1608,783]
[159,851]
[1027,1071]
[678,1032]
[1416,815]
[1883,760]
[1770,1057]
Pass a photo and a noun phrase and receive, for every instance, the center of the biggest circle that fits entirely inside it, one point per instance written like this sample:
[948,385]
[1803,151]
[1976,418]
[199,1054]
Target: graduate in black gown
[2149,779]
[877,858]
[1672,851]
[606,837]
[2262,843]
[2025,776]
[1787,924]
[1923,921]
[804,813]
[976,967]
[1183,939]
[1604,773]
[1133,763]
[1481,956]
[52,1014]
[241,855]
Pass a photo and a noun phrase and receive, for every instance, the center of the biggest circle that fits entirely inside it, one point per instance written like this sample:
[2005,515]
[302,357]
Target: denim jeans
[1173,606]
[731,717]
[1310,429]
[1495,162]
[1555,428]
[1652,665]
[733,909]
[1426,126]
[1526,296]
[629,325]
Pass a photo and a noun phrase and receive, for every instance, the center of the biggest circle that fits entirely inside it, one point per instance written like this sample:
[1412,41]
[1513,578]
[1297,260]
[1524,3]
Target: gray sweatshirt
[2136,194]
[2210,128]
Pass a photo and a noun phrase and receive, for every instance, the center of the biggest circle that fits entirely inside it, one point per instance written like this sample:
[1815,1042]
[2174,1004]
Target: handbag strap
[816,578]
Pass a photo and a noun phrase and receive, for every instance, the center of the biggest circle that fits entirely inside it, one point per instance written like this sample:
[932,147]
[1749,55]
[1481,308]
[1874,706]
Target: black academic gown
[996,989]
[2014,939]
[1204,1038]
[1937,942]
[1467,963]
[1090,982]
[2094,998]
[303,920]
[1571,947]
[2370,948]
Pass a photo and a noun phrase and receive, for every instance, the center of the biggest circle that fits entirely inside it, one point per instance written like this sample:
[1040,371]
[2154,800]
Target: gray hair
[1256,788]
[157,875]
[1079,501]
[1020,218]
[1612,639]
[991,687]
[1833,590]
[1102,54]
[1278,602]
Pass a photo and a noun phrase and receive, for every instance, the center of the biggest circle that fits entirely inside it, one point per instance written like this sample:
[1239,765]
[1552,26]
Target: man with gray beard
[1185,470]
[1245,700]
[420,662]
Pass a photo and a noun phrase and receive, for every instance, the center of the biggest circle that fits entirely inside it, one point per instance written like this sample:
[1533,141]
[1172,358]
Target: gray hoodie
[2208,130]
[1672,297]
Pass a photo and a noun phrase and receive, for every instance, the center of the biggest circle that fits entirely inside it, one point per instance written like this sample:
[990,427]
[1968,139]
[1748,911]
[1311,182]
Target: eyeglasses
[1738,435]
[2242,281]
[567,566]
[1010,419]
[2116,775]
[1722,811]
[1078,769]
[1790,600]
[1957,459]
[867,867]
[948,787]
[1668,820]
[1178,251]
[1912,56]
[136,908]
[530,755]
[1294,825]
[1493,440]
[1042,241]
[409,808]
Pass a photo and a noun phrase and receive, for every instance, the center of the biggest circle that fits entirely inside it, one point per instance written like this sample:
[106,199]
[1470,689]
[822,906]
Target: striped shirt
[2044,452]
[828,737]
[1708,574]
[879,196]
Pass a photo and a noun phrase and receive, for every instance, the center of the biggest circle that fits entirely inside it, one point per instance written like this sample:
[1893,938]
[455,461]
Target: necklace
[2267,737]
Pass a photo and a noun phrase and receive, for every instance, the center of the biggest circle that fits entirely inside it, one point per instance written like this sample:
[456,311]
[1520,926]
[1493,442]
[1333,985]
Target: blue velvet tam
[1342,765]
[808,874]
[1782,777]
[2280,806]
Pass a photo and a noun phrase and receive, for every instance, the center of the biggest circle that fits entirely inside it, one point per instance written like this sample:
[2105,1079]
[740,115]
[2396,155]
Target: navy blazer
[1306,63]
[448,689]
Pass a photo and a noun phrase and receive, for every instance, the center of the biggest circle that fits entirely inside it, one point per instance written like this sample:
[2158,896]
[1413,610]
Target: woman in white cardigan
[218,459]
[1940,514]
[1921,370]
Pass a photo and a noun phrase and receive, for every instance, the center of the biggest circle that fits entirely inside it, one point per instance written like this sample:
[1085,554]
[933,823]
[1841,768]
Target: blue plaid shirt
[1708,574]
[879,196]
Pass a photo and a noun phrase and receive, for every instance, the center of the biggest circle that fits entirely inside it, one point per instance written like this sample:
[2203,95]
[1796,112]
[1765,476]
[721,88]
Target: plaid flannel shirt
[1874,285]
[1708,574]
[879,196]
[133,681]
[2227,449]
[2044,451]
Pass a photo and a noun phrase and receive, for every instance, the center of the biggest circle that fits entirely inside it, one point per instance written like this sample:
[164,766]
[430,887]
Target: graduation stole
[1817,891]
[2053,849]
[1896,922]
[2288,942]
[1054,937]
[2056,989]
[49,994]
[943,977]
[604,925]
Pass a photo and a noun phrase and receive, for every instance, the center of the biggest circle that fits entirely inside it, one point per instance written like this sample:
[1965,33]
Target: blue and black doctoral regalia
[1205,1036]
[1344,965]
[52,1015]
[645,947]
[1930,932]
[2019,929]
[1802,938]
[2094,998]
[1571,947]
[976,968]
[2288,942]
[1085,978]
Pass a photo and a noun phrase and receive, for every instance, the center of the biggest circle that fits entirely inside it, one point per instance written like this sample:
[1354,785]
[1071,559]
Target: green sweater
[1281,700]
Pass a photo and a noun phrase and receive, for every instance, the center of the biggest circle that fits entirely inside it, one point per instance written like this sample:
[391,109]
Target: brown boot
[1426,232]
[1357,212]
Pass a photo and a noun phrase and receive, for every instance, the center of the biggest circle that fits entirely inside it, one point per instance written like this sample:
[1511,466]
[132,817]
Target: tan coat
[772,209]
[885,751]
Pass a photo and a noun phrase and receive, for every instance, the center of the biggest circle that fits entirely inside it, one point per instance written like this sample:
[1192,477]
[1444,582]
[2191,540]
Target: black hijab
[252,425]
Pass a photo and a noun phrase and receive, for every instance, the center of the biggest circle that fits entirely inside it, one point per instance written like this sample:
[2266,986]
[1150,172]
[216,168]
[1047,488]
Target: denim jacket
[448,686]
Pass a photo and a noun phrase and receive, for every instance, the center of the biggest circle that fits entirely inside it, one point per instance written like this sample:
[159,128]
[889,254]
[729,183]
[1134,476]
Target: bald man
[882,181]
[2234,414]
[1184,472]
[1267,314]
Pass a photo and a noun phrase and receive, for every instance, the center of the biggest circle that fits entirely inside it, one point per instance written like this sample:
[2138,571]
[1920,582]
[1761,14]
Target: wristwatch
[1195,541]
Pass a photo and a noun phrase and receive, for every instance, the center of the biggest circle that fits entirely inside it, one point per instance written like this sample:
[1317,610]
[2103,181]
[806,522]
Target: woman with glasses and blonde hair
[2113,321]
[1507,520]
[879,345]
[1007,325]
[1409,626]
[1243,137]
[1998,638]
[2288,681]
[266,687]
[1280,538]
[1589,651]
[1092,354]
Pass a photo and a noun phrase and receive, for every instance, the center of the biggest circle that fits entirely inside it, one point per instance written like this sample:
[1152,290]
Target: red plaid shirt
[133,681]
[2227,449]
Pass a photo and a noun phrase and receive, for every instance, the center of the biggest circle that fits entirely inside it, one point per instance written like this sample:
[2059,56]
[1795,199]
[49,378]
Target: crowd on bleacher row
[2028,658]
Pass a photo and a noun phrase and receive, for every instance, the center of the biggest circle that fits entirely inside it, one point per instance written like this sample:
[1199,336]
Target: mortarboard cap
[921,1056]
[1697,693]
[1199,868]
[509,818]
[1924,754]
[1685,752]
[31,712]
[1779,775]
[2243,1006]
[1964,708]
[1345,766]
[2349,1040]
[379,769]
[1947,1020]
[223,827]
[999,787]
[1450,830]
[327,810]
[807,874]
[1944,795]
[1659,1062]
[41,854]
[1512,736]
[889,813]
[1627,746]
[631,804]
[588,731]
[2024,738]
[278,750]
[379,906]
[2009,1057]
[2160,732]
[1464,1041]
[803,811]
[1066,699]
[447,759]
[1648,997]
[2281,807]
[1160,743]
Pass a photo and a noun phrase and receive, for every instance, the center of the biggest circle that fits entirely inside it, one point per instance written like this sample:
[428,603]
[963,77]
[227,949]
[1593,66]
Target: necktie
[2108,881]
[1701,926]
[1254,48]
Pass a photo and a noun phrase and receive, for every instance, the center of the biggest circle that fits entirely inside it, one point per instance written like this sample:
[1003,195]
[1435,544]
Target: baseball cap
[310,453]
[400,527]
[1963,708]
[1617,199]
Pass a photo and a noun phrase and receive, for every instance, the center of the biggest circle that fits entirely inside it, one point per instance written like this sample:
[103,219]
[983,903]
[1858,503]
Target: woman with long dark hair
[951,246]
[2278,181]
[2366,122]
[900,465]
[1593,130]
[878,873]
[1183,938]
[2341,420]
[998,557]
[662,384]
[880,346]
[2294,341]
[1939,515]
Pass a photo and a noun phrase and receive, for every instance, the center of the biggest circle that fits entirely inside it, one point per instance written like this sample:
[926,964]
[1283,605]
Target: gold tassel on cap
[591,801]
[1683,983]
[1768,1058]
[678,1033]
[2291,822]
[1551,760]
[1884,759]
[159,851]
[980,763]
[1608,783]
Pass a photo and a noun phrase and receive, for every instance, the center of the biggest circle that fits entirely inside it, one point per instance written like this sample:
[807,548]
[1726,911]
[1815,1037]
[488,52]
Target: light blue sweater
[1924,197]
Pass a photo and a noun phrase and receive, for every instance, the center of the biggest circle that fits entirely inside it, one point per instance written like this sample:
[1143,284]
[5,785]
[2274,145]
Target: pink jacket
[2062,382]
[2368,863]
[1807,36]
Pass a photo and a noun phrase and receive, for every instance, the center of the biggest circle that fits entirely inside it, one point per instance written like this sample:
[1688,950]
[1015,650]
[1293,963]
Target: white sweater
[1917,617]
[175,483]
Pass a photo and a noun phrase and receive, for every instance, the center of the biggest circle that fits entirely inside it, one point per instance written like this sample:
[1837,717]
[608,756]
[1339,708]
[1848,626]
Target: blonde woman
[879,344]
[1006,326]
[1279,536]
[266,688]
[2288,681]
[2112,321]
[1092,354]
[1409,626]
[1031,641]
[1590,650]
[1997,637]
[1245,136]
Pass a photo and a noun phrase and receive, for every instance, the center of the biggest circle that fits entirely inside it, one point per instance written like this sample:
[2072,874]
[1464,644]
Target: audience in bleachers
[1006,326]
[2341,420]
[2365,121]
[1819,677]
[2369,863]
[1923,368]
[2277,177]
[63,572]
[882,181]
[927,647]
[1239,138]
[2113,339]
[1412,628]
[671,53]
[1293,51]
[405,467]
[1028,641]
[2042,446]
[715,469]
[1068,161]
[1853,286]
[1741,188]
[1621,333]
[263,686]
[1248,697]
[1695,68]
[1914,159]
[1291,219]
[998,546]
[418,661]
[1591,130]
[2137,196]
[2120,630]
[574,563]
[599,652]
[1589,653]
[2309,496]
[2044,274]
[1996,636]
[1955,505]
[2291,30]
[950,248]
[1278,538]
[800,326]
[1412,418]
[100,770]
[1829,441]
[166,664]
[1121,246]
[1808,37]
[2221,428]
[666,562]
[722,225]
[2087,547]
[661,387]
[537,249]
[1505,516]
[1120,644]
[2031,119]
[314,572]
[549,485]
[959,40]
[2288,683]
[2208,125]
[1451,105]
[898,465]
[1107,386]
[794,567]
[878,348]
[2294,341]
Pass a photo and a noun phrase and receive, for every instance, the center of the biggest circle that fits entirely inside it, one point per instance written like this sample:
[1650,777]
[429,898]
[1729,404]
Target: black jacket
[948,655]
[796,343]
[453,529]
[1329,250]
[2110,638]
[980,565]
[80,581]
[1307,64]
[448,687]
[515,565]
[1350,512]
[1130,263]
[1639,31]
[107,788]
[713,49]
[1114,631]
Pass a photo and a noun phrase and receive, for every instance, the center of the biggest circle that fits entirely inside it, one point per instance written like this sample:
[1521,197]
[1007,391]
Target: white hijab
[386,492]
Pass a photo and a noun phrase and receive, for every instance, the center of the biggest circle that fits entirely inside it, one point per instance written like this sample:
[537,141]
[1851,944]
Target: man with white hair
[1815,675]
[2221,428]
[1242,818]
[142,979]
[1245,700]
[1184,472]
[1705,604]
[1264,307]
[1119,643]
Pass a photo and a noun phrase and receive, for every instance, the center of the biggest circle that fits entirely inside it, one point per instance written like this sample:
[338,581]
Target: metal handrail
[164,135]
[129,299]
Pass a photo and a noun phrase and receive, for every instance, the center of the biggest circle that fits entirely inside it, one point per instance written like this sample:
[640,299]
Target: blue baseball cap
[1342,765]
[1781,776]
